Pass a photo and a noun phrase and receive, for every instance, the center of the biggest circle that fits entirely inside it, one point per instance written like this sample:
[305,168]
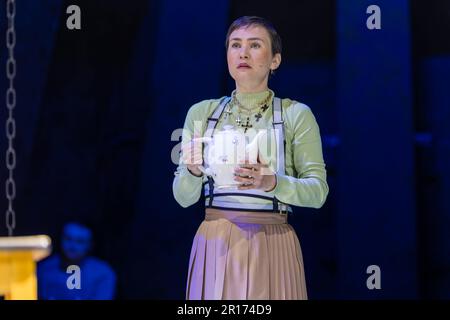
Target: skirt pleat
[245,261]
[293,263]
[223,232]
[258,271]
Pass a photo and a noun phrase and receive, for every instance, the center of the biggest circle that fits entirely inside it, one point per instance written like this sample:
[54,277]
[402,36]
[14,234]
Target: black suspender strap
[278,125]
[211,190]
[212,124]
[214,118]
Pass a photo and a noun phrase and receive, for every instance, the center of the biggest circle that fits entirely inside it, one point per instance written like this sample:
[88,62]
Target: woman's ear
[276,61]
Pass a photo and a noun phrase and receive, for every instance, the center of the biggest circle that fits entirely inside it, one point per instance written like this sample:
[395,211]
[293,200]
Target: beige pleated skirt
[245,255]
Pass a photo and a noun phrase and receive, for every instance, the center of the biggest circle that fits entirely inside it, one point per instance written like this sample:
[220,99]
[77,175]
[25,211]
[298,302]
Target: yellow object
[18,257]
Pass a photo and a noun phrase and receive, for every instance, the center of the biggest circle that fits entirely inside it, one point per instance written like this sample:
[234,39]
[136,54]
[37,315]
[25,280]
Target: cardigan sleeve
[308,188]
[187,187]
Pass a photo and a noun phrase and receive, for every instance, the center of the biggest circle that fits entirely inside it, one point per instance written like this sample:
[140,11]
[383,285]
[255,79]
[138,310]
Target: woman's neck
[242,88]
[252,100]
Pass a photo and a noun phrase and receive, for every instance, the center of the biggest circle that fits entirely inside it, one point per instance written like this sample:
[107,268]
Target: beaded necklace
[263,106]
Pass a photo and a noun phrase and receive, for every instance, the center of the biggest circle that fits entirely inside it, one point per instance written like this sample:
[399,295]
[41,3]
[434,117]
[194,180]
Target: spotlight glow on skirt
[245,256]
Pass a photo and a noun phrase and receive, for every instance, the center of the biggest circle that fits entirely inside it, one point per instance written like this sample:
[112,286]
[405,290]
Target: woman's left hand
[255,176]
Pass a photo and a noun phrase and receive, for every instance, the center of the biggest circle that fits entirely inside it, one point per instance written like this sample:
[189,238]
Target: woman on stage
[244,248]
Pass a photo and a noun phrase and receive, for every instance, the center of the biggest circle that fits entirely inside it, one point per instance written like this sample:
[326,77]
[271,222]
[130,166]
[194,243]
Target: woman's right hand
[192,156]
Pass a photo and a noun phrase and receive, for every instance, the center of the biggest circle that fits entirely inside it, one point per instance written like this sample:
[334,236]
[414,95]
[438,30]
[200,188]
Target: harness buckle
[283,209]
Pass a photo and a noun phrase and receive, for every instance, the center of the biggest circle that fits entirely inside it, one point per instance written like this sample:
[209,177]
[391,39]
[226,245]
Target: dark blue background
[96,109]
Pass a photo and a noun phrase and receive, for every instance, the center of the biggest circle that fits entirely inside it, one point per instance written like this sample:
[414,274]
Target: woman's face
[249,57]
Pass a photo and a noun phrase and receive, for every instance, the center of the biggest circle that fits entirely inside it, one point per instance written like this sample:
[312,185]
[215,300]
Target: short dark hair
[247,21]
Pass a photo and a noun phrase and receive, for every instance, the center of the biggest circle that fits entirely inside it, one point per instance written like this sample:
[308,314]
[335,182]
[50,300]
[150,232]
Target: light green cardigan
[304,182]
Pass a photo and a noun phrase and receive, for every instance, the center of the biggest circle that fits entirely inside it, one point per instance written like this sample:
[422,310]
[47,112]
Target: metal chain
[10,185]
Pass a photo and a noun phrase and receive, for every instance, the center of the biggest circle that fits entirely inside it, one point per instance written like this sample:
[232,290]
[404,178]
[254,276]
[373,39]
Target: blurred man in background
[74,274]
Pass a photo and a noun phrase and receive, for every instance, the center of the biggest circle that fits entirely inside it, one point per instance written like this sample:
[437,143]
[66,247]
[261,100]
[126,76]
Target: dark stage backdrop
[97,107]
